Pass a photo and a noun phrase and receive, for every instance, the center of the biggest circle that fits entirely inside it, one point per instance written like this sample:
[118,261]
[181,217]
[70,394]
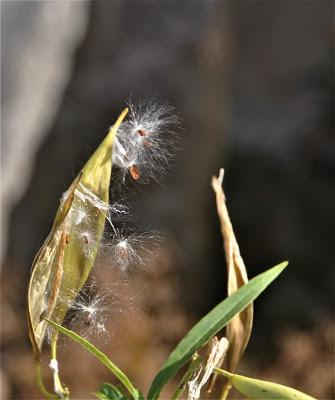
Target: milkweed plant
[62,300]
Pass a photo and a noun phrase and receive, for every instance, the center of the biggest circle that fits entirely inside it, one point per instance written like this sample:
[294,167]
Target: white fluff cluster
[129,249]
[145,142]
[96,308]
[126,249]
[114,211]
[143,147]
[90,311]
[83,219]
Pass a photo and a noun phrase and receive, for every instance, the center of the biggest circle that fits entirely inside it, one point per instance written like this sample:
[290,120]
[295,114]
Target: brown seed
[141,132]
[123,253]
[88,320]
[134,172]
[42,315]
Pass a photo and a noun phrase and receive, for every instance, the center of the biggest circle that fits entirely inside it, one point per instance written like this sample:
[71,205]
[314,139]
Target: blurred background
[254,84]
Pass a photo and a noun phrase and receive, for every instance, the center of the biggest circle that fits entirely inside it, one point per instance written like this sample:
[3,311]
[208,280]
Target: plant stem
[224,373]
[61,391]
[211,384]
[226,389]
[40,384]
[227,386]
[101,356]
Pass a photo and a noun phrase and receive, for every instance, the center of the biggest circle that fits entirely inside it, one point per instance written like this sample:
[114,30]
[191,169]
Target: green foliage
[211,324]
[197,337]
[109,392]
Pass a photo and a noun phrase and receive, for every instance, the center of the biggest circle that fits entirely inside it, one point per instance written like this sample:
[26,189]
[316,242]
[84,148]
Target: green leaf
[259,389]
[101,356]
[62,266]
[210,325]
[109,392]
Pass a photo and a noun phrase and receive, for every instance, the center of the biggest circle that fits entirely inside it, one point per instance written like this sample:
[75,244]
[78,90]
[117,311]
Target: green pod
[258,389]
[64,262]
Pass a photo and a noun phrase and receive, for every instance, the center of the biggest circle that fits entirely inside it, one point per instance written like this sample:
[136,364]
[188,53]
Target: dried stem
[187,376]
[239,328]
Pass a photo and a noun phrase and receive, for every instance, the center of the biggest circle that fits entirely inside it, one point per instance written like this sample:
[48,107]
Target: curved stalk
[61,391]
[40,384]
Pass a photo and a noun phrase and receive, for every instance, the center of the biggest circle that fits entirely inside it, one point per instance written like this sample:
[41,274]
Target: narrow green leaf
[101,356]
[210,325]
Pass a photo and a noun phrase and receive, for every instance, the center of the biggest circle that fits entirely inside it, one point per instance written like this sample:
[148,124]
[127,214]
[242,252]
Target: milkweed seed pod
[65,260]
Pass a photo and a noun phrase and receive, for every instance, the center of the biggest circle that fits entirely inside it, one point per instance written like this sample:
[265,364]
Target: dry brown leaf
[239,328]
[202,374]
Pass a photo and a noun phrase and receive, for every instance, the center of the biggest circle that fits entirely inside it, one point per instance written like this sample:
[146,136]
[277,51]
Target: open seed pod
[66,258]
